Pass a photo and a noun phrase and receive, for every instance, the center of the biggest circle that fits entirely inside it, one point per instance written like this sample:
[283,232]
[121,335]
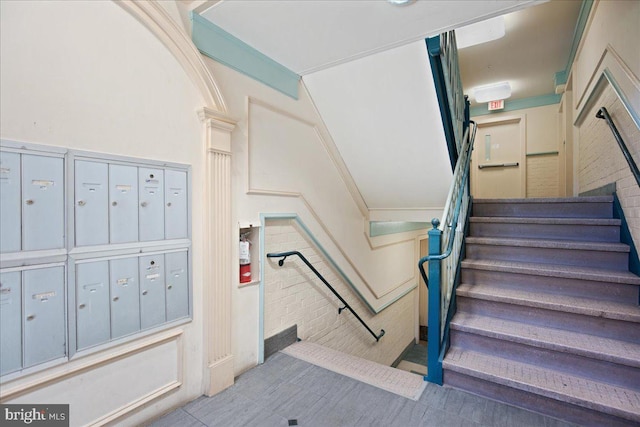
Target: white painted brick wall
[542,176]
[293,295]
[601,161]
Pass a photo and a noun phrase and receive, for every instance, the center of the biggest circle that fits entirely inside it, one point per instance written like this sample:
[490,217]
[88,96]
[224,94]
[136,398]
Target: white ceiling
[536,45]
[310,35]
[365,65]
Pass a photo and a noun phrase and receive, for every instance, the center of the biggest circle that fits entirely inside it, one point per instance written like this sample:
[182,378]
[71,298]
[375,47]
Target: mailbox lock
[151,176]
[114,203]
[29,202]
[143,204]
[169,204]
[115,299]
[170,286]
[152,263]
[81,203]
[81,306]
[30,318]
[144,292]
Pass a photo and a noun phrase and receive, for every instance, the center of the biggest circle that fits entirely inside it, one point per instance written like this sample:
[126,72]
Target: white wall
[541,136]
[608,45]
[284,162]
[87,75]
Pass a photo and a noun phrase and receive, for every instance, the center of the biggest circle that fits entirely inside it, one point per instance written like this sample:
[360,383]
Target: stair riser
[544,210]
[575,257]
[573,287]
[544,405]
[587,367]
[608,328]
[580,233]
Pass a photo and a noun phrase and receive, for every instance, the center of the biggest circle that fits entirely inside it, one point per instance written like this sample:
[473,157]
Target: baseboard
[280,341]
[605,190]
[403,354]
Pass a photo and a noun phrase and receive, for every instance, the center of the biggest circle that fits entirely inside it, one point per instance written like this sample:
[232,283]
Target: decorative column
[218,249]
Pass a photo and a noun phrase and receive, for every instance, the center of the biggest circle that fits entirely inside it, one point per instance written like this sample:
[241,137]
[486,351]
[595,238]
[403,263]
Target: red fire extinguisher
[245,259]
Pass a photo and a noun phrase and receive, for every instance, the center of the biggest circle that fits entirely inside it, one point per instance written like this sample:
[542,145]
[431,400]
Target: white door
[499,161]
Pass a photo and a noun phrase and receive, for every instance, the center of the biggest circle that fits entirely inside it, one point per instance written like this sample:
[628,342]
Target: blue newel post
[434,365]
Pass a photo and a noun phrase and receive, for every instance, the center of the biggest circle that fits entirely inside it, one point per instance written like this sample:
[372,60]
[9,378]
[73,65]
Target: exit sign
[496,105]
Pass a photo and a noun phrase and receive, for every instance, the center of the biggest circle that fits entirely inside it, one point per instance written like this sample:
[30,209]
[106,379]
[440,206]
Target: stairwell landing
[547,311]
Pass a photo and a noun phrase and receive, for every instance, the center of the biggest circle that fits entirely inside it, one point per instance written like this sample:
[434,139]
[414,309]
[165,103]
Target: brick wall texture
[294,296]
[542,176]
[601,161]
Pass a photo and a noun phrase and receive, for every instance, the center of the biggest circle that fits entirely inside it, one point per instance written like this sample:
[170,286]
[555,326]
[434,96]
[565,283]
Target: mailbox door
[10,322]
[123,203]
[175,204]
[10,226]
[92,196]
[152,294]
[177,279]
[44,316]
[151,204]
[125,297]
[92,304]
[43,202]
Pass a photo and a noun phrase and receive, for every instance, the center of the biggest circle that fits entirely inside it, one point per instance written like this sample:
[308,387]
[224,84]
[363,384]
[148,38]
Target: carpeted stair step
[584,315]
[602,284]
[577,229]
[614,256]
[600,359]
[545,390]
[573,207]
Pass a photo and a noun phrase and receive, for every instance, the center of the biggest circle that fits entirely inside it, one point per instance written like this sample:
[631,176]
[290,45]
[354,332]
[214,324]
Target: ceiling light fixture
[400,2]
[480,32]
[492,92]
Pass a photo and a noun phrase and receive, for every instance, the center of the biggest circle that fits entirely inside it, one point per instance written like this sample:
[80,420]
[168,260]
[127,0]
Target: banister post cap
[435,222]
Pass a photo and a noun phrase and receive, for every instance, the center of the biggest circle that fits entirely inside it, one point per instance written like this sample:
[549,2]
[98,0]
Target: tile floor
[286,391]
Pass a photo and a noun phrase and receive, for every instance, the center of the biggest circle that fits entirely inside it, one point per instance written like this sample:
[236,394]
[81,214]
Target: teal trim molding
[561,77]
[519,104]
[217,44]
[382,228]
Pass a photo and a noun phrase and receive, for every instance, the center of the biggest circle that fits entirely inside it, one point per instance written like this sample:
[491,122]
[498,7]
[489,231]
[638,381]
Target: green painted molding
[561,77]
[519,104]
[219,45]
[382,228]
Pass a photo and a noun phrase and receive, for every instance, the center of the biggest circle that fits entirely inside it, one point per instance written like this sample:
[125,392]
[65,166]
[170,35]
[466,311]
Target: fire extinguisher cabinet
[248,257]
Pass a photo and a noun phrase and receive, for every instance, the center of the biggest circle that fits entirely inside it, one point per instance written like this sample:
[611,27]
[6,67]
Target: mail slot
[152,293]
[123,203]
[175,204]
[43,202]
[151,204]
[177,282]
[10,225]
[125,297]
[43,318]
[92,197]
[10,322]
[92,304]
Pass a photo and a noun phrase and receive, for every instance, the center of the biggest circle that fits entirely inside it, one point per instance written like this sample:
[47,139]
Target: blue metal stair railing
[446,239]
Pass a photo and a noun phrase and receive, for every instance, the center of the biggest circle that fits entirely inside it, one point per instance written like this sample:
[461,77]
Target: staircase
[547,311]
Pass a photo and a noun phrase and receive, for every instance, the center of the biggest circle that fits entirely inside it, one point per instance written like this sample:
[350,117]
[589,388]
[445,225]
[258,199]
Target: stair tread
[592,346]
[544,220]
[618,401]
[549,244]
[570,304]
[590,199]
[553,270]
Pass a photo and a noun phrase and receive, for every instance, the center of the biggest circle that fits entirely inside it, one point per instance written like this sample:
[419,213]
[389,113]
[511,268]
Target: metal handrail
[604,114]
[284,256]
[436,222]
